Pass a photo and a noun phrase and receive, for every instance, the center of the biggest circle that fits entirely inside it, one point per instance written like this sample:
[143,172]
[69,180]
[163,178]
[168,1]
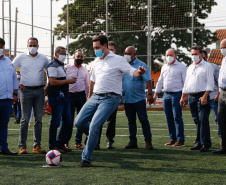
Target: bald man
[172,79]
[222,100]
[134,99]
[77,93]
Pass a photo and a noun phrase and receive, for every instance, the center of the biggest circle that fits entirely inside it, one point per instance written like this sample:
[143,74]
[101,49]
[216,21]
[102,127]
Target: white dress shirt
[107,74]
[222,74]
[172,77]
[199,78]
[31,68]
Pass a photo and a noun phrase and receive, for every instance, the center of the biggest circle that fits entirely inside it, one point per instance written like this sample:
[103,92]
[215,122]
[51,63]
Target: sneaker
[38,150]
[148,145]
[23,150]
[131,145]
[170,143]
[58,149]
[65,149]
[179,144]
[85,163]
[110,145]
[79,146]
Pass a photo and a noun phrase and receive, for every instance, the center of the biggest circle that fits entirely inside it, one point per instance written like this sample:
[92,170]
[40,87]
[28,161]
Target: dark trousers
[77,100]
[200,114]
[60,114]
[110,132]
[17,109]
[222,116]
[5,111]
[131,110]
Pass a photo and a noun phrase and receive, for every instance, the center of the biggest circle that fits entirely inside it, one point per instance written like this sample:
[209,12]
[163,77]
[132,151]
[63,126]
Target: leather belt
[107,94]
[34,87]
[173,92]
[76,93]
[197,94]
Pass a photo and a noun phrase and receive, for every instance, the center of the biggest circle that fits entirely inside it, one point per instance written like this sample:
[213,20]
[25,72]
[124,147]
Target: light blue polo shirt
[134,87]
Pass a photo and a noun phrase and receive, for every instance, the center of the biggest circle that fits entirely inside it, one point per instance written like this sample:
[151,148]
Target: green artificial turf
[163,165]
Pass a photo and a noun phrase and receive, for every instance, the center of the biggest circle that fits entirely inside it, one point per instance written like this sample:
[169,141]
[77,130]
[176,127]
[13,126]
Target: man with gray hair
[31,66]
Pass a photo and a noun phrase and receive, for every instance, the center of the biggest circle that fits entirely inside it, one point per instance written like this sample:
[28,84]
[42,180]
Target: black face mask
[79,61]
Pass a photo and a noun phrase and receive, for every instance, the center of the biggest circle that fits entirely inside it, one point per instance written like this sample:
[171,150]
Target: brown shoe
[67,146]
[38,150]
[148,145]
[23,150]
[131,145]
[65,149]
[179,144]
[170,143]
[79,146]
[58,149]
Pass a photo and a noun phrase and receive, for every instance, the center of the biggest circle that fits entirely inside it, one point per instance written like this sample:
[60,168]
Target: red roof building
[215,55]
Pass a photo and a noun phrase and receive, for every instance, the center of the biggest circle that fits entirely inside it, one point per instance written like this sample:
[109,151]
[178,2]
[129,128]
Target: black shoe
[17,121]
[97,147]
[196,147]
[131,145]
[8,152]
[204,148]
[85,163]
[110,145]
[221,151]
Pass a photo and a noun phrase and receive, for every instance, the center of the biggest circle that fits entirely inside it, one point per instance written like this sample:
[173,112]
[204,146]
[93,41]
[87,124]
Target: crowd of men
[96,96]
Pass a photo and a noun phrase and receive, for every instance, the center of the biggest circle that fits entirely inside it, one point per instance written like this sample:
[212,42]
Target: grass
[164,165]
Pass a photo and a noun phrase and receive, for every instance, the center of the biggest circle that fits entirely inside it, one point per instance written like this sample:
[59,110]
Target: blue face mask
[99,53]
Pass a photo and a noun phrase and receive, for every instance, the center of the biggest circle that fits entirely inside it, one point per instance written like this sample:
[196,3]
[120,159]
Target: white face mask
[169,59]
[223,51]
[1,52]
[32,50]
[128,58]
[195,58]
[62,58]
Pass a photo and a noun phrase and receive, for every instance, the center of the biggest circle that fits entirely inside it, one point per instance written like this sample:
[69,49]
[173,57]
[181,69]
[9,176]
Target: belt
[107,94]
[76,93]
[197,94]
[34,87]
[173,92]
[223,88]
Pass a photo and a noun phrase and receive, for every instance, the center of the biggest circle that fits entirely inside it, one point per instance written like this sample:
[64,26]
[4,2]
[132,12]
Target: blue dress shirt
[8,78]
[134,87]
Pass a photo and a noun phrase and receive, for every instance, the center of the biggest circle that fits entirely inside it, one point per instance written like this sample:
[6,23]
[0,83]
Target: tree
[167,16]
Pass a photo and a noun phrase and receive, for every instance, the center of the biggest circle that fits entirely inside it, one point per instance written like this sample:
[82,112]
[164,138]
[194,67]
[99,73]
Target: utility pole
[106,18]
[192,23]
[32,22]
[67,31]
[51,28]
[15,40]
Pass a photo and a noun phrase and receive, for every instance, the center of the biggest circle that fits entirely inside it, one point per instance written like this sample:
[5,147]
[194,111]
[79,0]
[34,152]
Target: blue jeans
[60,109]
[97,109]
[5,111]
[131,110]
[200,114]
[76,101]
[214,109]
[17,109]
[173,114]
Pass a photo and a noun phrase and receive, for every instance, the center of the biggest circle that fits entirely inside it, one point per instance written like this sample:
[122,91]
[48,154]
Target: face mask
[99,53]
[195,58]
[18,76]
[223,51]
[32,50]
[62,58]
[169,59]
[128,58]
[1,52]
[79,61]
